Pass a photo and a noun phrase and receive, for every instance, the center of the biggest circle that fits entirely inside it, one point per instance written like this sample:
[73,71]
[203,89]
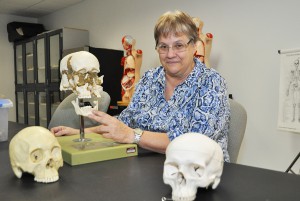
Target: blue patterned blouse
[199,104]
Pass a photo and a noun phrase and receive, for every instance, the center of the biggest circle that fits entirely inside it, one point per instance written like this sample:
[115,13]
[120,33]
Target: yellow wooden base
[98,149]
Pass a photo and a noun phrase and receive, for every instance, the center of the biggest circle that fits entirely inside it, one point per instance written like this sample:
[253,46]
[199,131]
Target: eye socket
[36,155]
[171,168]
[93,74]
[199,170]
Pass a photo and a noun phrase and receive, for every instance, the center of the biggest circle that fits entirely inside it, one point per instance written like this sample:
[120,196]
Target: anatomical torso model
[131,62]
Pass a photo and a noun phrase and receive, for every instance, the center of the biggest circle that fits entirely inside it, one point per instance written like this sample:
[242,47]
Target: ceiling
[34,8]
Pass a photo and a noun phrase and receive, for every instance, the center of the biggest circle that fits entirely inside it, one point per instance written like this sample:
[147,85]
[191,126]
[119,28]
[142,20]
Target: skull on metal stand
[35,150]
[192,160]
[79,72]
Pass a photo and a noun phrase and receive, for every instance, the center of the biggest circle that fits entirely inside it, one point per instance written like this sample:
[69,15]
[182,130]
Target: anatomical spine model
[132,62]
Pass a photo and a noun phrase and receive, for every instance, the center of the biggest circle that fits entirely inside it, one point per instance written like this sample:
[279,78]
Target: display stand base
[122,103]
[98,149]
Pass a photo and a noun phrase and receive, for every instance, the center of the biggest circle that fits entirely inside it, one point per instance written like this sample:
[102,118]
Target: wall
[7,79]
[247,35]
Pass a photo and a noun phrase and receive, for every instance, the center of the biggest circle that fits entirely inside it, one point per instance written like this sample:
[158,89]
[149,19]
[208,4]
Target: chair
[237,127]
[65,115]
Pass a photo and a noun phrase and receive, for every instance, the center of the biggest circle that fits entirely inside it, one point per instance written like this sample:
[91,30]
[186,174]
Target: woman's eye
[179,46]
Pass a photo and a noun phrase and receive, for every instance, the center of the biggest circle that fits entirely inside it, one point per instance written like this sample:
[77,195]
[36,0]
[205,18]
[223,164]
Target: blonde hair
[176,23]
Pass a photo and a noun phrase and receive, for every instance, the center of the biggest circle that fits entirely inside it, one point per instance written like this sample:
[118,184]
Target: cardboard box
[98,149]
[5,104]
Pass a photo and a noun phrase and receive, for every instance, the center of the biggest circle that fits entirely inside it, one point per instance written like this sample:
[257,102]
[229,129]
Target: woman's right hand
[63,130]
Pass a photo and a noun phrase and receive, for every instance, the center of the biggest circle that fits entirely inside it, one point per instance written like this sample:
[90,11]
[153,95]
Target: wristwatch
[137,135]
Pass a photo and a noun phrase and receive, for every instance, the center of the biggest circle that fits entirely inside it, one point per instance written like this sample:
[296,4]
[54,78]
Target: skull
[192,160]
[35,150]
[79,71]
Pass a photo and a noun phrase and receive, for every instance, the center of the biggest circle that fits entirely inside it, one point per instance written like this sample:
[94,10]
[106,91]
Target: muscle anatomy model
[131,62]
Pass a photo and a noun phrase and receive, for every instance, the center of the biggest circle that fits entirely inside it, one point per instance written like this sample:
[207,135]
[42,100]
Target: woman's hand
[63,130]
[111,127]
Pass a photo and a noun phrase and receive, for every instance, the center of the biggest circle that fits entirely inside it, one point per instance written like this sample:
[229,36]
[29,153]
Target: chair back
[237,127]
[65,114]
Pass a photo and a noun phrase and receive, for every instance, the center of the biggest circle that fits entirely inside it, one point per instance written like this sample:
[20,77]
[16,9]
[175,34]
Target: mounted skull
[192,160]
[35,150]
[79,72]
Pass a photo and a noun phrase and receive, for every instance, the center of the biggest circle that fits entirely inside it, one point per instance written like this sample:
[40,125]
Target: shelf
[34,59]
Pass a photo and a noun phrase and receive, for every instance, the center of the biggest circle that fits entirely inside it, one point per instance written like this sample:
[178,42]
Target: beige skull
[35,150]
[192,160]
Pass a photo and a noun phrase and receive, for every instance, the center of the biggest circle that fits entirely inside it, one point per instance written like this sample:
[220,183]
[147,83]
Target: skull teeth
[47,180]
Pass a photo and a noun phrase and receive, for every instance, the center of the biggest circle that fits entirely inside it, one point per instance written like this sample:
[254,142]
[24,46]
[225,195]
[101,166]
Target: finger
[107,135]
[65,131]
[101,118]
[101,129]
[55,129]
[98,113]
[61,132]
[95,118]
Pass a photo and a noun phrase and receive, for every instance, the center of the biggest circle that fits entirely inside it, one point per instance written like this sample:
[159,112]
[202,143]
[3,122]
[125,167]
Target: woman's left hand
[111,127]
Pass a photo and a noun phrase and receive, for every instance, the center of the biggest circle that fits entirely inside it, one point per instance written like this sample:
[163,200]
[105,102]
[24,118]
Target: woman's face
[177,63]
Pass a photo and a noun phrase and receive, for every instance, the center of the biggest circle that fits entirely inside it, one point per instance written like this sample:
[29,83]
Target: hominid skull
[35,150]
[192,160]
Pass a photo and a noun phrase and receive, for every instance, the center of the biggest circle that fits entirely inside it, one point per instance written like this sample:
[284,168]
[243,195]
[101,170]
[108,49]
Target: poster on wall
[289,90]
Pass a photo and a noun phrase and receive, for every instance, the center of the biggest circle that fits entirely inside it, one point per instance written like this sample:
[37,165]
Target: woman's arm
[156,142]
[114,129]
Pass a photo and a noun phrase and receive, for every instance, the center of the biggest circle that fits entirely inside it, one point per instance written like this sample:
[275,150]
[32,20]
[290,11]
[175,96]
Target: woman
[180,96]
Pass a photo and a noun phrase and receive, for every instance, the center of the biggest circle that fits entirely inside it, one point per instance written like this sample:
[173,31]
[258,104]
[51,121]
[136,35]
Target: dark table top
[139,178]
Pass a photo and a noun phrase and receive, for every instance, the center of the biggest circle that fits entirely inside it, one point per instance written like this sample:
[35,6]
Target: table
[140,179]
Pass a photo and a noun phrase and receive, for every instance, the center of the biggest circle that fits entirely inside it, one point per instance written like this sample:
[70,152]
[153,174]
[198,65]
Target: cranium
[79,73]
[192,160]
[35,150]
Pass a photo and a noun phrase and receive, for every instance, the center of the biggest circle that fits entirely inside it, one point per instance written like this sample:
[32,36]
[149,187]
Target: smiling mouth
[172,62]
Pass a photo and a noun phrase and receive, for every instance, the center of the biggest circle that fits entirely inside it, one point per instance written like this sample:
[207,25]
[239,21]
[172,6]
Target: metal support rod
[81,129]
[81,104]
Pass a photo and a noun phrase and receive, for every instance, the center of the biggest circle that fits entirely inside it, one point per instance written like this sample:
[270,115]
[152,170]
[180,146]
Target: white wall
[7,79]
[247,36]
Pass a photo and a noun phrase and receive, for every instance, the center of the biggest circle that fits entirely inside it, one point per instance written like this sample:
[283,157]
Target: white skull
[35,150]
[79,73]
[192,160]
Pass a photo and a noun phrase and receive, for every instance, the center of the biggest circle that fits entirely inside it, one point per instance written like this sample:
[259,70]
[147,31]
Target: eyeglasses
[177,47]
